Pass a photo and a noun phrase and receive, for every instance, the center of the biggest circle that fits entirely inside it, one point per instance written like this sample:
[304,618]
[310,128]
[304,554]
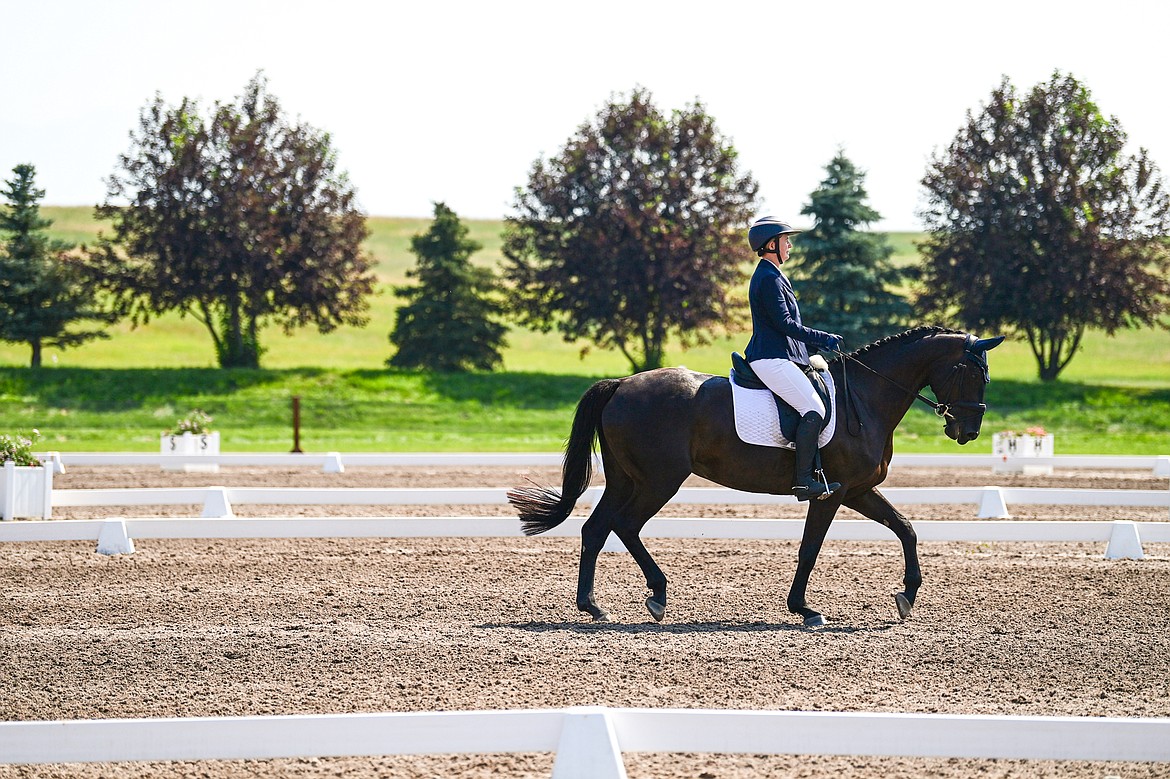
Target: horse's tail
[543,508]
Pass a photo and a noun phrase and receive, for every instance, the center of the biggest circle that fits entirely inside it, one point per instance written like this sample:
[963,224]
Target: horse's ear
[984,344]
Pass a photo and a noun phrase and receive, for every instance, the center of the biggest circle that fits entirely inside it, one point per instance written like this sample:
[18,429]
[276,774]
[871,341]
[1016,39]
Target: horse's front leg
[873,504]
[816,525]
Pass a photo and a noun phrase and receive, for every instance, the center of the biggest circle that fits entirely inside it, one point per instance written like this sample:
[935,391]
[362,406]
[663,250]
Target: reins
[942,410]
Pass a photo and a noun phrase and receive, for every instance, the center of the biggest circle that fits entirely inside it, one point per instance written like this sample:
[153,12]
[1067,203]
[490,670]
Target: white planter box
[1019,453]
[26,491]
[187,449]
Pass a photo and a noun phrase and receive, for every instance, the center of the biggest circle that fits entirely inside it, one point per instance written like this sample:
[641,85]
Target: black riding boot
[807,486]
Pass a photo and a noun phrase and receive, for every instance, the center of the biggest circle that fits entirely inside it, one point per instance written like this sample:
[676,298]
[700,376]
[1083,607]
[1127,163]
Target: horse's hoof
[657,610]
[815,621]
[601,616]
[905,607]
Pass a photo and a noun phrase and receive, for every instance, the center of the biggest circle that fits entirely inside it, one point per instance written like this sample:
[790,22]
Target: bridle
[942,410]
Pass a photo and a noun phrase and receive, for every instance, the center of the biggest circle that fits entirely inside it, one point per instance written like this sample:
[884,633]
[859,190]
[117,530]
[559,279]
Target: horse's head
[959,387]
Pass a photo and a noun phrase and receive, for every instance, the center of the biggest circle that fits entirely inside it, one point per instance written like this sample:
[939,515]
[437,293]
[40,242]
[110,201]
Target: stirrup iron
[829,488]
[821,488]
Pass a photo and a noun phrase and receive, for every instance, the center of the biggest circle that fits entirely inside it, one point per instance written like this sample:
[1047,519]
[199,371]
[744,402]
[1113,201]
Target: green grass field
[119,394]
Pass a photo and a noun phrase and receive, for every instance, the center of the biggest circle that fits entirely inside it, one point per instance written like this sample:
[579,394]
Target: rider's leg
[786,379]
[805,484]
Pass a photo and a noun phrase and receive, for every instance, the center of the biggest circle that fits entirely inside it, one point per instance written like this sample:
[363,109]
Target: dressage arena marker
[589,742]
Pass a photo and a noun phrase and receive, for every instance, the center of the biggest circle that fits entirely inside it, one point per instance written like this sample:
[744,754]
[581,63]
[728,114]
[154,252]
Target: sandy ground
[199,628]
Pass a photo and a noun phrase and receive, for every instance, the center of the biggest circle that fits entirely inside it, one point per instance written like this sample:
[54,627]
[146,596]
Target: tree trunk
[655,355]
[1054,351]
[241,346]
[35,361]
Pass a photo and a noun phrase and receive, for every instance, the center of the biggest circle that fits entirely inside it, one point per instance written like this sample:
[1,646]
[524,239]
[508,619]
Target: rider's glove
[835,344]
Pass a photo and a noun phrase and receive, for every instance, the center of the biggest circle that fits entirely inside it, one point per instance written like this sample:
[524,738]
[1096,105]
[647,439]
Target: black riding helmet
[764,230]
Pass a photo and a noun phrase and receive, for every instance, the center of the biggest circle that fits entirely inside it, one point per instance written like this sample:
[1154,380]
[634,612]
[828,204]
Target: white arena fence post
[1124,542]
[992,504]
[1162,465]
[8,493]
[333,463]
[55,459]
[113,538]
[588,748]
[216,504]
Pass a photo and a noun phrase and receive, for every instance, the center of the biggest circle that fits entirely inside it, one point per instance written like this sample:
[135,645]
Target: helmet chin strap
[773,247]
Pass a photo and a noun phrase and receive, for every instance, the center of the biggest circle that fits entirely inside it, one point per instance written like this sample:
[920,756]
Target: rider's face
[783,247]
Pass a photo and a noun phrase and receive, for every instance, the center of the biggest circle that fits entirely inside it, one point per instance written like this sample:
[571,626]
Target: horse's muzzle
[964,428]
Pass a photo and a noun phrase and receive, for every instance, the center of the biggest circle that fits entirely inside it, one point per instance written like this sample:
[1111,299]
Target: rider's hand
[836,343]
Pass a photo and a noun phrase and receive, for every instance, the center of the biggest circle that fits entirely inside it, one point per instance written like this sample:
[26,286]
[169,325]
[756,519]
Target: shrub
[18,448]
[196,422]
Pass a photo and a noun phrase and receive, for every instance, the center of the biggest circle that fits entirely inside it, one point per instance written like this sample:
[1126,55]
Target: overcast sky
[430,101]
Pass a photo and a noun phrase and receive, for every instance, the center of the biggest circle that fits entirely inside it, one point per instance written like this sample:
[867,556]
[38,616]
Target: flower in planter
[1035,431]
[197,422]
[19,449]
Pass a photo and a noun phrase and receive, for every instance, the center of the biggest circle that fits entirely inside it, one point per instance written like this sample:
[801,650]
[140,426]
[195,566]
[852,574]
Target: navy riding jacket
[776,328]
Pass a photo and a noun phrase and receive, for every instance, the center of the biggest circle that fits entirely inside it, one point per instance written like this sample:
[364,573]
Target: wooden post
[296,403]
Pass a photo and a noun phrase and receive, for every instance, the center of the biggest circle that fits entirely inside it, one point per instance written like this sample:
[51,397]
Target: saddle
[743,376]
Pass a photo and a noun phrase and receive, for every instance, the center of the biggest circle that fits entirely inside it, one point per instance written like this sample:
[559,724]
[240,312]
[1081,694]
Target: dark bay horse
[658,427]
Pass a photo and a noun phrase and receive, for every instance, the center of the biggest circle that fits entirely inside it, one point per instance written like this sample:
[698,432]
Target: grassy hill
[177,342]
[119,394]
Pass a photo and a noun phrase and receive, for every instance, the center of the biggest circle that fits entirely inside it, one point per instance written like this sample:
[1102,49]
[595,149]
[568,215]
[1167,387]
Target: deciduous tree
[44,292]
[237,218]
[842,272]
[632,235]
[1040,221]
[451,318]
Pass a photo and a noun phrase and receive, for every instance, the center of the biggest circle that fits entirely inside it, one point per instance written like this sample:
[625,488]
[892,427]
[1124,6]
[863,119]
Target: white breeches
[786,379]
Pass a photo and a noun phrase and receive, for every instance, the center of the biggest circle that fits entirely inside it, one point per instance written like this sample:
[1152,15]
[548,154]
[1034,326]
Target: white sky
[451,101]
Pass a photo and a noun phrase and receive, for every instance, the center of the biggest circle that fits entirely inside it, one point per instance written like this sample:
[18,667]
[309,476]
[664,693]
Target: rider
[777,351]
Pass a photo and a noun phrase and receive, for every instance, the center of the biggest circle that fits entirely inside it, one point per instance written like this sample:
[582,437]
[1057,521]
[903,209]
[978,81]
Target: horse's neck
[905,368]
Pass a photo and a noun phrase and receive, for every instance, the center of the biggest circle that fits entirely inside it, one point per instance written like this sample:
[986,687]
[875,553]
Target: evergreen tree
[43,291]
[841,273]
[450,319]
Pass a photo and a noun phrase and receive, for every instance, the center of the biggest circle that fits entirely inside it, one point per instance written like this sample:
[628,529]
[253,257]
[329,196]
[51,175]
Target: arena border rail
[333,462]
[991,501]
[588,741]
[116,535]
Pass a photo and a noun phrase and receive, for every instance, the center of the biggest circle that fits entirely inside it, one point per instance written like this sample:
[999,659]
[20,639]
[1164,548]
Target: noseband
[942,410]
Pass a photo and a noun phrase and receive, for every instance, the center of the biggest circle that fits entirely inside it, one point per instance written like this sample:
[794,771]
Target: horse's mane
[913,334]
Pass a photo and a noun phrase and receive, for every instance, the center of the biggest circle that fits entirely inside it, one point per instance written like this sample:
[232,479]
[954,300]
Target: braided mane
[912,334]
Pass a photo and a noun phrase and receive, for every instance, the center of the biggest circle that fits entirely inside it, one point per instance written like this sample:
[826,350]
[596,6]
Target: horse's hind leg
[632,517]
[593,534]
[874,505]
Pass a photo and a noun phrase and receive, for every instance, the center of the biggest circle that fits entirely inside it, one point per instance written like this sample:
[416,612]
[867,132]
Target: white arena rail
[115,535]
[588,742]
[332,462]
[990,501]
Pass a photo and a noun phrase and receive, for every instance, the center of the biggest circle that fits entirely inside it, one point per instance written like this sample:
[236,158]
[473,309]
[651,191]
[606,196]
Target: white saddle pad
[757,421]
